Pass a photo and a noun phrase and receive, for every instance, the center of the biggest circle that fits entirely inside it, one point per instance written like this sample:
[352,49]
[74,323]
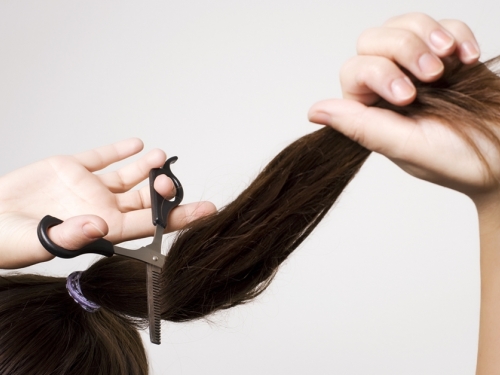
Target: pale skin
[92,205]
[97,205]
[424,148]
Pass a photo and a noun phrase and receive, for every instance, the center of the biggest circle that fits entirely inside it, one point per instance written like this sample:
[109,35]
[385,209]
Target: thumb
[20,246]
[377,129]
[76,232]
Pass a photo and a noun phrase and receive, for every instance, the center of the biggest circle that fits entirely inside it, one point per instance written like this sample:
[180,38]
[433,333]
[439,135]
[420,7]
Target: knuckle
[419,18]
[413,18]
[120,181]
[363,69]
[392,20]
[363,39]
[66,241]
[455,26]
[357,133]
[375,75]
[375,72]
[143,198]
[347,69]
[404,41]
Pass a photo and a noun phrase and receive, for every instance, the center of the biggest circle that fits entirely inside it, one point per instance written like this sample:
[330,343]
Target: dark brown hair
[220,261]
[466,99]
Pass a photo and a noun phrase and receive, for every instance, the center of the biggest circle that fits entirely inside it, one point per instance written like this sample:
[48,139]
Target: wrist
[488,208]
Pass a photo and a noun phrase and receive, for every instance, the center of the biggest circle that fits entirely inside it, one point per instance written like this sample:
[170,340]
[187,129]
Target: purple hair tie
[75,291]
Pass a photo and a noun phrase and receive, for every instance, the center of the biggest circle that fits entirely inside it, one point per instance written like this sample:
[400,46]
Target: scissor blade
[147,254]
[153,292]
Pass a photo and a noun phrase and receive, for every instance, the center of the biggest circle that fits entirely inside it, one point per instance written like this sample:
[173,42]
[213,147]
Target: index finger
[137,224]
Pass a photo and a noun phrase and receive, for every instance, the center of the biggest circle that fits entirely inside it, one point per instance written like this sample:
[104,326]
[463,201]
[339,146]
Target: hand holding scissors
[150,254]
[68,187]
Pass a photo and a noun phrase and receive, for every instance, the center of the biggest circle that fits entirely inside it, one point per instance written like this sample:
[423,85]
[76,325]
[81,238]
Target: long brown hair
[220,261]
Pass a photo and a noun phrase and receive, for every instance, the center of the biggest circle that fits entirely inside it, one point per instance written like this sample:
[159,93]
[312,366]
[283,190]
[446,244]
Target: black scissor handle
[100,246]
[161,207]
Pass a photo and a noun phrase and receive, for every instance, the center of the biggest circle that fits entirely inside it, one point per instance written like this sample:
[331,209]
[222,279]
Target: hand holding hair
[441,141]
[91,205]
[446,131]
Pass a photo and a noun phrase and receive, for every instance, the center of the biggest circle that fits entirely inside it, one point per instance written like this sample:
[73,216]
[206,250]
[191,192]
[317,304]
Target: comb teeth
[154,313]
[156,307]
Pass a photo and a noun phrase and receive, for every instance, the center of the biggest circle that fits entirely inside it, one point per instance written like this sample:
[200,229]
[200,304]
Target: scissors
[150,254]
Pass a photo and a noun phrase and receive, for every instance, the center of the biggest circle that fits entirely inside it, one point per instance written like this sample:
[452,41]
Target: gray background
[387,284]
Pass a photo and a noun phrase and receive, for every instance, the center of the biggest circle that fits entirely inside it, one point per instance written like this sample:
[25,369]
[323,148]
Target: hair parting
[220,261]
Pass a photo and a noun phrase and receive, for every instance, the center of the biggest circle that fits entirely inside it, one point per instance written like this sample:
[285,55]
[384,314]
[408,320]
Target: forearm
[488,361]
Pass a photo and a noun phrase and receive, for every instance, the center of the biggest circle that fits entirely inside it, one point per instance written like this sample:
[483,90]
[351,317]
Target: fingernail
[91,231]
[430,65]
[470,50]
[320,118]
[402,88]
[441,40]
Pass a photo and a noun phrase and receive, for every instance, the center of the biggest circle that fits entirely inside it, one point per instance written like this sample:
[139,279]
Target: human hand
[430,148]
[91,205]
